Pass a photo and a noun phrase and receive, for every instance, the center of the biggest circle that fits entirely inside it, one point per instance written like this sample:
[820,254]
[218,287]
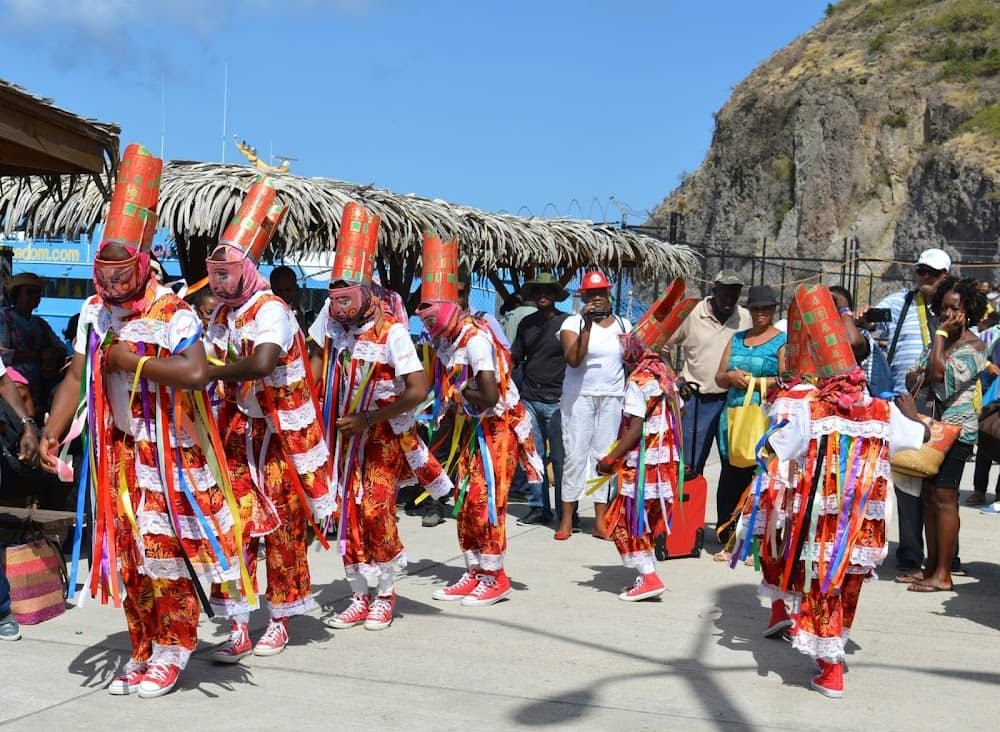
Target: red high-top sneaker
[645,587]
[128,681]
[458,590]
[355,614]
[830,681]
[160,678]
[380,612]
[780,621]
[274,640]
[235,647]
[491,588]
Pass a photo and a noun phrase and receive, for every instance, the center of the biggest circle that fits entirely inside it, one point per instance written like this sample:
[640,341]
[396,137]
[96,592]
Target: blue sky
[516,106]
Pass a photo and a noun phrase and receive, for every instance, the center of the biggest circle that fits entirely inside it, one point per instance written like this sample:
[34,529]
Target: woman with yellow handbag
[951,365]
[749,365]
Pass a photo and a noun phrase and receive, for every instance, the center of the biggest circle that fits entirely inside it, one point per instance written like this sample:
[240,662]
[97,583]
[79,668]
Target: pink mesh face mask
[439,317]
[124,280]
[350,304]
[234,278]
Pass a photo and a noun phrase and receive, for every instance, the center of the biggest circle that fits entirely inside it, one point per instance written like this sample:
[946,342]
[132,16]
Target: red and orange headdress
[232,267]
[659,323]
[439,309]
[357,245]
[131,224]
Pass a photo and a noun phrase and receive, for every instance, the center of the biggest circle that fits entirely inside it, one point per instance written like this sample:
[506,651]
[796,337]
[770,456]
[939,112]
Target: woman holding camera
[758,352]
[592,398]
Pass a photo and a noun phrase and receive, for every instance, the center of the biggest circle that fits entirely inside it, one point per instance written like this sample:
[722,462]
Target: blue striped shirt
[910,344]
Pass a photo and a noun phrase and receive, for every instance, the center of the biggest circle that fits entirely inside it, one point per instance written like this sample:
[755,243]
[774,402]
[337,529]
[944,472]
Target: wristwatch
[29,420]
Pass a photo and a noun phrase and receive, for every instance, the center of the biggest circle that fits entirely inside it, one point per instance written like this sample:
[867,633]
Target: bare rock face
[880,123]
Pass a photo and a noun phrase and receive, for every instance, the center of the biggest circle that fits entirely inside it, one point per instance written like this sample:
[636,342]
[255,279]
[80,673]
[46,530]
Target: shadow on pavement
[977,601]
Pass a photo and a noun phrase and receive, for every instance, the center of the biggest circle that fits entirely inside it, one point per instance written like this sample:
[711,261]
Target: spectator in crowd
[906,334]
[758,351]
[702,338]
[593,395]
[28,343]
[538,352]
[205,304]
[285,285]
[951,365]
[984,462]
[515,309]
[28,453]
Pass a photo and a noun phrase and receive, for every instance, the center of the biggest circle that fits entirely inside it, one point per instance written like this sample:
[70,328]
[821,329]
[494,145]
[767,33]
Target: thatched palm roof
[39,138]
[198,199]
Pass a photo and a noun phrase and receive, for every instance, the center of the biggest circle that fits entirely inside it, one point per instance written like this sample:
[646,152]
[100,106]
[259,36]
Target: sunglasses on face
[925,271]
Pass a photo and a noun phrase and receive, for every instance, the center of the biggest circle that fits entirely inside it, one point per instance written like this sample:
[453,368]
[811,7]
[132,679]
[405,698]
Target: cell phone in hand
[878,315]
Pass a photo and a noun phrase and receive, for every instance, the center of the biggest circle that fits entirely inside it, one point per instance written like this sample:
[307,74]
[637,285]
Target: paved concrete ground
[564,652]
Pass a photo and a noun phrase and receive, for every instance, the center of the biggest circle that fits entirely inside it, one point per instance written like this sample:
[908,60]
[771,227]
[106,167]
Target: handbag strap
[748,398]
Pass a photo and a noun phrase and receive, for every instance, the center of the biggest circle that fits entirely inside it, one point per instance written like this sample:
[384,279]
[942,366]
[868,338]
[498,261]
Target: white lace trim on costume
[831,505]
[297,419]
[373,570]
[387,389]
[289,609]
[440,486]
[137,427]
[369,351]
[654,456]
[490,562]
[229,608]
[176,655]
[174,569]
[291,373]
[145,330]
[402,422]
[311,460]
[644,562]
[863,558]
[323,506]
[149,478]
[154,522]
[867,428]
[773,593]
[830,650]
[654,490]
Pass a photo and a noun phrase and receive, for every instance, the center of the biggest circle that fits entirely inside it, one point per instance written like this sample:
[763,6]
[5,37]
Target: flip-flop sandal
[722,556]
[908,579]
[921,587]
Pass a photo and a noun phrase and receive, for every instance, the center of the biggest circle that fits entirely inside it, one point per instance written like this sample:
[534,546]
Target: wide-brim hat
[544,281]
[761,296]
[24,279]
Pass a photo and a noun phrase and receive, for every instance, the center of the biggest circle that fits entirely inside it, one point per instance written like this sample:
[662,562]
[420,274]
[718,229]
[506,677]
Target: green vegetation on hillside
[985,120]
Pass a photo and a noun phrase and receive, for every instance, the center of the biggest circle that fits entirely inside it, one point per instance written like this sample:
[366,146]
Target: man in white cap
[907,333]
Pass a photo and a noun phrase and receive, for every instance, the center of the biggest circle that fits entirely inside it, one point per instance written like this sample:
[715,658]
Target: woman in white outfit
[593,394]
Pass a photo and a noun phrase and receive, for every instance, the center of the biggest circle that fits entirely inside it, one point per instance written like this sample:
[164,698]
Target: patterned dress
[834,533]
[640,509]
[759,360]
[276,453]
[157,495]
[498,440]
[363,370]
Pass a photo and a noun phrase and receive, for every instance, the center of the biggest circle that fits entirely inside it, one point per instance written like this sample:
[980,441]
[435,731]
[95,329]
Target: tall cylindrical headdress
[132,215]
[665,316]
[439,282]
[256,221]
[824,330]
[357,245]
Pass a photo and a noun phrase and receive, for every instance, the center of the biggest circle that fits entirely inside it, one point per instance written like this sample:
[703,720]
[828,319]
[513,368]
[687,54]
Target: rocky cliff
[881,123]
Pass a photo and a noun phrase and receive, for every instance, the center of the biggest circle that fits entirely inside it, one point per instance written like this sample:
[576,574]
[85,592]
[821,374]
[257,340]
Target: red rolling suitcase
[687,517]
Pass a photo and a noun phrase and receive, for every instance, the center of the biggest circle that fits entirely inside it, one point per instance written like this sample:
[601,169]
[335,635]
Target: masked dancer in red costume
[370,382]
[477,383]
[839,489]
[269,420]
[646,459]
[163,515]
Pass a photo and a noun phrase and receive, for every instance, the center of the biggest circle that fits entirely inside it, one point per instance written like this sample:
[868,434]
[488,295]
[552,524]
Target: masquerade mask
[121,281]
[439,318]
[632,347]
[348,304]
[234,278]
